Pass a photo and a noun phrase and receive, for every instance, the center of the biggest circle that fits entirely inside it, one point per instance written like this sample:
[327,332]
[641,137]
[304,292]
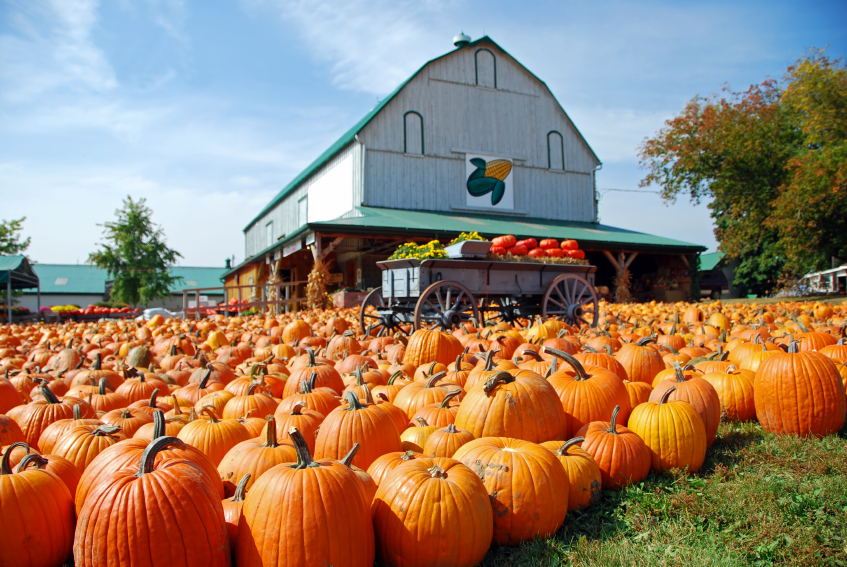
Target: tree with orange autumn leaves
[772,162]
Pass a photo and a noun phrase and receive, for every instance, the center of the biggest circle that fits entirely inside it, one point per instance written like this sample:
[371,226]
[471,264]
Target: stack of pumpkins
[301,441]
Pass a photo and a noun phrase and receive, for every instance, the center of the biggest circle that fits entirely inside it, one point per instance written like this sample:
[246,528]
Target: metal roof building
[402,173]
[83,284]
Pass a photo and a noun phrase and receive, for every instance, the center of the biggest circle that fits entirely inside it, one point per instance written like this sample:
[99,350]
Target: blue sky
[207,108]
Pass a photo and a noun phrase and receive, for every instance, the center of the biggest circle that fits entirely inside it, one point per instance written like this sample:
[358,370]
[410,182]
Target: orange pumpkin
[584,478]
[622,456]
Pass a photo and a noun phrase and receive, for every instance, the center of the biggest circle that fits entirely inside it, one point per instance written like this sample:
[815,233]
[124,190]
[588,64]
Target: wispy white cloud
[370,45]
[52,48]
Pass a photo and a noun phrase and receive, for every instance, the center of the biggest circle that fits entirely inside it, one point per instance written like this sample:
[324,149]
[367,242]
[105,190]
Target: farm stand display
[203,414]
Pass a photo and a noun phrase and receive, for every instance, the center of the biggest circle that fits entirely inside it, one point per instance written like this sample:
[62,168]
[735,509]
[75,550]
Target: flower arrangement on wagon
[211,430]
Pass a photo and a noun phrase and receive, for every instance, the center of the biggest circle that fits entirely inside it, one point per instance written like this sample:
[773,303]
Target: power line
[601,191]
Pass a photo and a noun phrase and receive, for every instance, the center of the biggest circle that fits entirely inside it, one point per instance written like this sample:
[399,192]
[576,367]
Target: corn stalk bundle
[622,283]
[316,288]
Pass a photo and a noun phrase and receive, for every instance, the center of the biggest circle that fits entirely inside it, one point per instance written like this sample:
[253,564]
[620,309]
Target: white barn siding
[512,120]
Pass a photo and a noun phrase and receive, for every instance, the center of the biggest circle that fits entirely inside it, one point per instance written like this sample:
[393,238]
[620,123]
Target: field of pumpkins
[297,440]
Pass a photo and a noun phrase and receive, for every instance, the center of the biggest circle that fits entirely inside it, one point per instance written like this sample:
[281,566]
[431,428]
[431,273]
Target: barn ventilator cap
[461,40]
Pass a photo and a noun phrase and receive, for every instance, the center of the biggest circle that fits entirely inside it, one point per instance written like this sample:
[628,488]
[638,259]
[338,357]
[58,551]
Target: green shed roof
[350,135]
[89,280]
[19,270]
[710,261]
[417,223]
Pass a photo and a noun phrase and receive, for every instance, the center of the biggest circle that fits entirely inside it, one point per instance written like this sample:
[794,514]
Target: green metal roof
[19,270]
[423,223]
[710,261]
[350,135]
[10,262]
[89,280]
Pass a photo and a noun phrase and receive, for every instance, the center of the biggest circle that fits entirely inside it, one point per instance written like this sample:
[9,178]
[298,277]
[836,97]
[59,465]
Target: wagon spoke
[587,324]
[369,316]
[559,293]
[588,299]
[582,290]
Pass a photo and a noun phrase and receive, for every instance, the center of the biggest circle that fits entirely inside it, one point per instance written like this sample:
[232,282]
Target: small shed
[16,273]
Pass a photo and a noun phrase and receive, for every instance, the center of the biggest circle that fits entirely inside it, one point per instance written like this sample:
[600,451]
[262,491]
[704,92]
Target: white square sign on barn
[488,182]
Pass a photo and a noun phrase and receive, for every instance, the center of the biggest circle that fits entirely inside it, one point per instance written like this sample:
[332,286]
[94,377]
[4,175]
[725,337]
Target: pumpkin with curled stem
[213,436]
[153,494]
[308,492]
[584,478]
[699,393]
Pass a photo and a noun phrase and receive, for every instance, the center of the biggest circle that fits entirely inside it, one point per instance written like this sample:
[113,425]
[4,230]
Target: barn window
[555,150]
[413,133]
[486,68]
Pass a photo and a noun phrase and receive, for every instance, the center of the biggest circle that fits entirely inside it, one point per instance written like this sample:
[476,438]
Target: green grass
[760,499]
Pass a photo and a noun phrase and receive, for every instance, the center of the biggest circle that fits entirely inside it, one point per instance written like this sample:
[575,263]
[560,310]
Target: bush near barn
[667,433]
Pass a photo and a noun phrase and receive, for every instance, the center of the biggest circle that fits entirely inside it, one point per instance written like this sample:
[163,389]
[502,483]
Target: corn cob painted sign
[489,182]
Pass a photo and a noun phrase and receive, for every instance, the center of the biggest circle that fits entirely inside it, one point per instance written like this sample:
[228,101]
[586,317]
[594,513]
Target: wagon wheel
[445,305]
[511,311]
[377,314]
[572,298]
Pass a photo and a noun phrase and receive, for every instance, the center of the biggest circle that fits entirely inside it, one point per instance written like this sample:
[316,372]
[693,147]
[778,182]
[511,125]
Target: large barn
[400,174]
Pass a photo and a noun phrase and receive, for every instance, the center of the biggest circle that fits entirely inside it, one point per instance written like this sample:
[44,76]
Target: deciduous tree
[135,255]
[771,162]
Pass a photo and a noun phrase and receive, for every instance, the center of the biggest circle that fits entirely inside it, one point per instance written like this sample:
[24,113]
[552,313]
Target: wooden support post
[685,260]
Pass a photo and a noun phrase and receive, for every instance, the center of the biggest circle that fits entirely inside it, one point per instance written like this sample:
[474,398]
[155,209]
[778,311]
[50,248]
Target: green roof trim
[422,223]
[84,279]
[350,135]
[709,262]
[10,262]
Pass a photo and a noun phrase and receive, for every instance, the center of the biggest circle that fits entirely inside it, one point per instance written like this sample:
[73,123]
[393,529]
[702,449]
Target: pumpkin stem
[106,430]
[369,398]
[445,403]
[348,458]
[177,409]
[205,381]
[304,458]
[532,354]
[666,395]
[613,425]
[238,495]
[148,457]
[98,362]
[437,472]
[311,355]
[270,434]
[5,463]
[563,450]
[670,348]
[252,387]
[306,385]
[125,414]
[49,395]
[680,377]
[77,412]
[421,422]
[192,414]
[395,376]
[353,401]
[581,373]
[608,349]
[210,411]
[158,424]
[435,378]
[297,409]
[588,348]
[153,396]
[31,458]
[451,428]
[498,378]
[459,360]
[792,348]
[489,361]
[358,373]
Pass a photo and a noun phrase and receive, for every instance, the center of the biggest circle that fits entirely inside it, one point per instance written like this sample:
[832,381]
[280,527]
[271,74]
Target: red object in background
[555,253]
[499,250]
[549,244]
[579,254]
[530,243]
[504,241]
[537,253]
[517,250]
[570,244]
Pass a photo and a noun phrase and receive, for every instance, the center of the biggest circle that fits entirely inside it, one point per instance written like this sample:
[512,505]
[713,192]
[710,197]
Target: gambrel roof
[349,136]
